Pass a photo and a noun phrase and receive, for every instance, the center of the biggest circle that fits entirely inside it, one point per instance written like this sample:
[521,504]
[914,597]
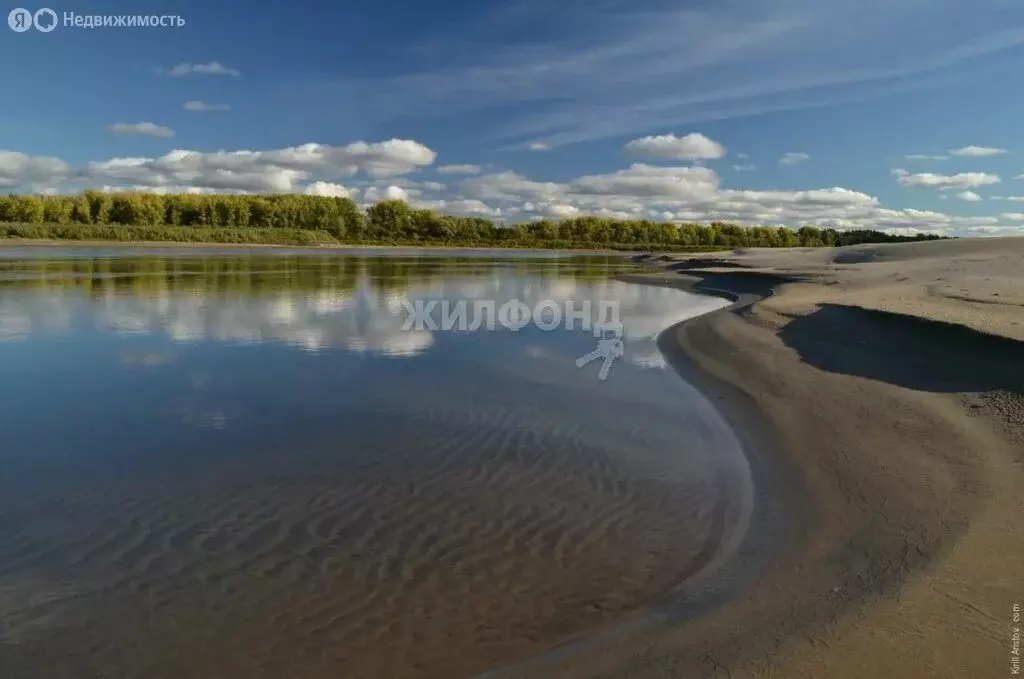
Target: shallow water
[221,463]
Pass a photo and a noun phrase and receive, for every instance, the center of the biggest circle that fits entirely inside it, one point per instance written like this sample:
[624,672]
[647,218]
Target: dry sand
[879,390]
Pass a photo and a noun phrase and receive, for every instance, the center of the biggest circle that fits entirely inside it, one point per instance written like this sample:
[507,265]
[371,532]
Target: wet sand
[881,393]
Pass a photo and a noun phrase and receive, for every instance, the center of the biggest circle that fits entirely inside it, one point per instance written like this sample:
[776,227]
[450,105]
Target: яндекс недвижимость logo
[45,20]
[20,20]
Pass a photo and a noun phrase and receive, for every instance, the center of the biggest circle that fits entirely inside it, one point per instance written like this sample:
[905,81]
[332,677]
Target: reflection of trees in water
[258,274]
[311,302]
[307,301]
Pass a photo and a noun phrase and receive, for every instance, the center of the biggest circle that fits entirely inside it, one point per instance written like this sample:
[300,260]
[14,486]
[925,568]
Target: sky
[900,115]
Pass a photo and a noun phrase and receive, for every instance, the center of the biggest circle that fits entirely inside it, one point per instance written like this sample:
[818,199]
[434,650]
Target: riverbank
[334,247]
[879,391]
[107,234]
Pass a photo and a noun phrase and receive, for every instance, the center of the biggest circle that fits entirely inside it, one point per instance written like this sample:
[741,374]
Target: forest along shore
[304,220]
[884,386]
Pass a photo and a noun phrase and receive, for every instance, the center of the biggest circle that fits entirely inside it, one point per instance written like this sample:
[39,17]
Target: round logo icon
[45,20]
[20,20]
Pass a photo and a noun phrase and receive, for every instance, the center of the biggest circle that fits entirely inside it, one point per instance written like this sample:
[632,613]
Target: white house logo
[609,348]
[20,20]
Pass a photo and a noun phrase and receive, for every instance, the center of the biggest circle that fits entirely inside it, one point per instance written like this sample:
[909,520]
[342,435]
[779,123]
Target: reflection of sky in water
[134,364]
[363,319]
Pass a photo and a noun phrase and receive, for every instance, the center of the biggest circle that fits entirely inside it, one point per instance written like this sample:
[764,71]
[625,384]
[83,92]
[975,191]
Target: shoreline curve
[883,417]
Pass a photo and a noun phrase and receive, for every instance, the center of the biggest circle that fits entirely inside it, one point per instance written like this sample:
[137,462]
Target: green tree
[389,218]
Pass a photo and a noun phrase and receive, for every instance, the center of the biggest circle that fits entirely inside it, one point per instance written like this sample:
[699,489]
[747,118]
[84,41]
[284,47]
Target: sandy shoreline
[877,394]
[878,391]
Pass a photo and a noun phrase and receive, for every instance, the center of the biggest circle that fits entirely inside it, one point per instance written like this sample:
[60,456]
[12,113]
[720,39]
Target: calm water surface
[225,463]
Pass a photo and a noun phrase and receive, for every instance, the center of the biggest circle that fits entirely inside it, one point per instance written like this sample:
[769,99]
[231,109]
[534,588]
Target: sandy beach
[879,392]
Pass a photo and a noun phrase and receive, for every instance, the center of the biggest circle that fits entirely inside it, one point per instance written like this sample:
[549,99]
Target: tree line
[231,218]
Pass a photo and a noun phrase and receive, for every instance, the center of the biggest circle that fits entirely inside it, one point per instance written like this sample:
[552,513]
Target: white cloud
[470,207]
[963,180]
[458,169]
[510,186]
[977,152]
[744,168]
[374,194]
[791,158]
[924,156]
[279,170]
[17,169]
[327,189]
[969,197]
[538,146]
[562,211]
[1014,216]
[693,146]
[168,189]
[742,156]
[212,68]
[649,180]
[202,106]
[145,129]
[1012,199]
[693,194]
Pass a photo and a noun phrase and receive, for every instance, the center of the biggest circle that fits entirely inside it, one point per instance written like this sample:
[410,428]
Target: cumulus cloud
[681,183]
[274,170]
[17,169]
[744,168]
[212,68]
[977,152]
[279,170]
[924,156]
[969,197]
[1014,216]
[374,194]
[327,189]
[963,180]
[202,106]
[791,158]
[694,194]
[693,146]
[510,186]
[144,129]
[538,146]
[458,169]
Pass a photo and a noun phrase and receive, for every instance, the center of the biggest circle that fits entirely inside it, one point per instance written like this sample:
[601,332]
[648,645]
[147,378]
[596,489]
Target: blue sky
[640,108]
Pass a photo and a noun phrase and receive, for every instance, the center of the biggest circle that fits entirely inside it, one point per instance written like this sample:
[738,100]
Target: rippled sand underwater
[221,465]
